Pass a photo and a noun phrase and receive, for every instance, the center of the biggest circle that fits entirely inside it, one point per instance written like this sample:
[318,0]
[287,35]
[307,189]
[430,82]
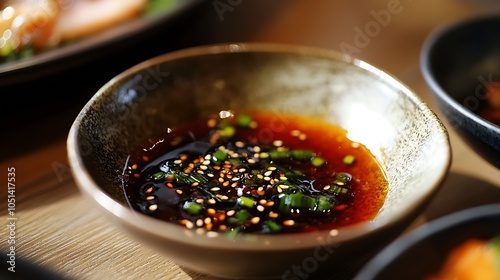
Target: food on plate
[471,260]
[28,27]
[490,109]
[258,172]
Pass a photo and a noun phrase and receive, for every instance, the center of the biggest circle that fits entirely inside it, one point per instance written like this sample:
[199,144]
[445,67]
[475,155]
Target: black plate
[71,55]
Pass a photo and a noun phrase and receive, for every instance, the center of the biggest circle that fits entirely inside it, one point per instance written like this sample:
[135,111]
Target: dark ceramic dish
[457,62]
[422,252]
[407,138]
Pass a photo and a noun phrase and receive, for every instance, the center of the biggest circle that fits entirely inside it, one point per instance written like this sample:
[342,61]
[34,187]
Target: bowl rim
[139,221]
[428,230]
[425,65]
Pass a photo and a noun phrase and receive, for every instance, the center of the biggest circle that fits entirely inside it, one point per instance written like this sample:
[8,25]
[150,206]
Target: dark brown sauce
[279,173]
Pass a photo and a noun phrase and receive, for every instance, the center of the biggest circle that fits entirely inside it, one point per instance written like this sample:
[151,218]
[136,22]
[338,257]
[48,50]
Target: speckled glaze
[401,131]
[457,62]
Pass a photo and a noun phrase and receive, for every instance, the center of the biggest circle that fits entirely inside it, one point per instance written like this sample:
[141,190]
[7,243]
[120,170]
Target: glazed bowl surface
[459,62]
[376,109]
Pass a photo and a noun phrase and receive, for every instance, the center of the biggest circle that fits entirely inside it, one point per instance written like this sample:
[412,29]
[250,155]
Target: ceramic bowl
[405,136]
[458,61]
[423,252]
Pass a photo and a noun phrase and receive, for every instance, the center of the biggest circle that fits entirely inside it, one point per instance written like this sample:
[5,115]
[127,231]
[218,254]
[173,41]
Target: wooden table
[58,229]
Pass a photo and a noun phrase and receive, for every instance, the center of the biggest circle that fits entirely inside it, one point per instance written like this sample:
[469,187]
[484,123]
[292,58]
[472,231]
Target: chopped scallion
[246,201]
[349,159]
[192,207]
[317,161]
[244,121]
[302,154]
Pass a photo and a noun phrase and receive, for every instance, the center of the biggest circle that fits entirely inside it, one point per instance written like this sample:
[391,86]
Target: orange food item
[472,260]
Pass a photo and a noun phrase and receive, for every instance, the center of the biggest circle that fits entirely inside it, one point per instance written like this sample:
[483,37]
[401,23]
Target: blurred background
[37,112]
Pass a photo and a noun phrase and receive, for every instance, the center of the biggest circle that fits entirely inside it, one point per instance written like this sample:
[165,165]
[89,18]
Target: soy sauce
[257,172]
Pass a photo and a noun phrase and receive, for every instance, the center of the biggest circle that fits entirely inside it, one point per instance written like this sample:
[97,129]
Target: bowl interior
[377,110]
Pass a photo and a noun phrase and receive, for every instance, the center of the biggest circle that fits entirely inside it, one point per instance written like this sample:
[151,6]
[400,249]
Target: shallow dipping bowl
[377,110]
[458,61]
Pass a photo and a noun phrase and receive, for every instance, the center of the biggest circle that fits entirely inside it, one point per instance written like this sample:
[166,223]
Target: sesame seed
[278,143]
[267,178]
[200,172]
[269,203]
[235,178]
[239,144]
[211,122]
[222,227]
[189,224]
[251,161]
[195,184]
[283,178]
[212,201]
[280,190]
[230,213]
[234,185]
[207,220]
[224,197]
[200,200]
[327,187]
[137,175]
[210,175]
[225,184]
[284,187]
[256,149]
[271,168]
[209,226]
[241,170]
[262,202]
[183,157]
[221,179]
[145,158]
[170,185]
[214,189]
[211,211]
[203,167]
[199,222]
[273,215]
[177,161]
[268,173]
[260,176]
[178,191]
[150,189]
[253,125]
[289,222]
[151,197]
[134,167]
[295,132]
[260,208]
[153,207]
[255,220]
